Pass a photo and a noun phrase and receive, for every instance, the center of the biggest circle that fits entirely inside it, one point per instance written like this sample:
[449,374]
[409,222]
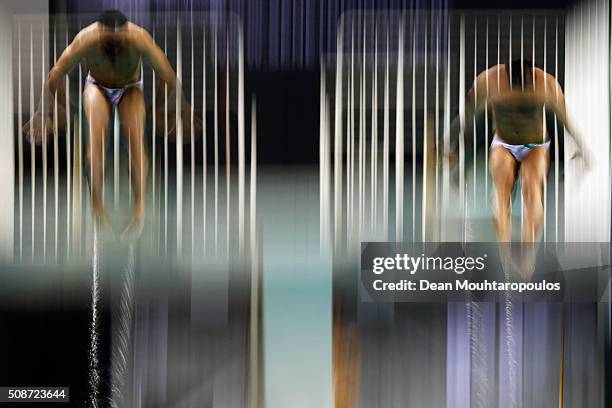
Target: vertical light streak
[154,144]
[143,180]
[364,131]
[141,133]
[523,90]
[413,130]
[178,128]
[68,158]
[255,280]
[216,144]
[322,163]
[605,109]
[474,144]
[166,153]
[129,151]
[399,138]
[227,145]
[437,121]
[462,116]
[55,152]
[572,93]
[241,143]
[324,180]
[425,143]
[351,143]
[556,135]
[116,160]
[91,172]
[348,155]
[79,155]
[77,194]
[544,199]
[103,164]
[386,144]
[192,141]
[509,66]
[338,138]
[374,137]
[446,148]
[533,75]
[361,191]
[204,134]
[20,140]
[486,112]
[44,141]
[327,173]
[253,186]
[569,54]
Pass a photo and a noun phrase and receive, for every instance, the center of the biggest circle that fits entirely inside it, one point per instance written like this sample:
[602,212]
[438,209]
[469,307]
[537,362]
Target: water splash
[478,350]
[94,364]
[122,333]
[510,344]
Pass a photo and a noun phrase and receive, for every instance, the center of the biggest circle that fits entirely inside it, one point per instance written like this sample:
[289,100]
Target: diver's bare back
[517,115]
[120,66]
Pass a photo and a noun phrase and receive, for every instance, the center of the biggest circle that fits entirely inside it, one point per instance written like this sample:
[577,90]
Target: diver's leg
[533,172]
[132,116]
[503,168]
[97,110]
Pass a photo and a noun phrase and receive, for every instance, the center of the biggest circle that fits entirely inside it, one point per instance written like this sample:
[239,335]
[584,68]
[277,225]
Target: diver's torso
[114,63]
[517,114]
[517,119]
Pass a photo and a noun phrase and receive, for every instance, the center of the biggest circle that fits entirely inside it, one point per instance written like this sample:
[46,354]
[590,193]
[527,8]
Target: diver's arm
[54,90]
[555,101]
[71,56]
[475,101]
[166,109]
[157,59]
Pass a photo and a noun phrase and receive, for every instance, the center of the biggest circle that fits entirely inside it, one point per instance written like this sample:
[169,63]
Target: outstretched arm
[154,55]
[157,59]
[475,101]
[41,121]
[555,101]
[71,56]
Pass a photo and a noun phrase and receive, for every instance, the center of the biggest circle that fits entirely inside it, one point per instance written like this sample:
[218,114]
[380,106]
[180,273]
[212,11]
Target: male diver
[112,50]
[516,94]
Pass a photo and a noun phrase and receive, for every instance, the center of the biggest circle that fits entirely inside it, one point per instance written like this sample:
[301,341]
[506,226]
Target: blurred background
[244,288]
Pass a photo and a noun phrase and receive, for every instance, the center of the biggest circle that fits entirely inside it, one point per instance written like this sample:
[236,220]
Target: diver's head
[112,19]
[113,23]
[520,73]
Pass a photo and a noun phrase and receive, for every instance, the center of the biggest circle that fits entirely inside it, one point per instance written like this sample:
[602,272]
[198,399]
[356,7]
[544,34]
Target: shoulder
[489,74]
[88,34]
[549,79]
[137,33]
[543,75]
[139,37]
[495,70]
